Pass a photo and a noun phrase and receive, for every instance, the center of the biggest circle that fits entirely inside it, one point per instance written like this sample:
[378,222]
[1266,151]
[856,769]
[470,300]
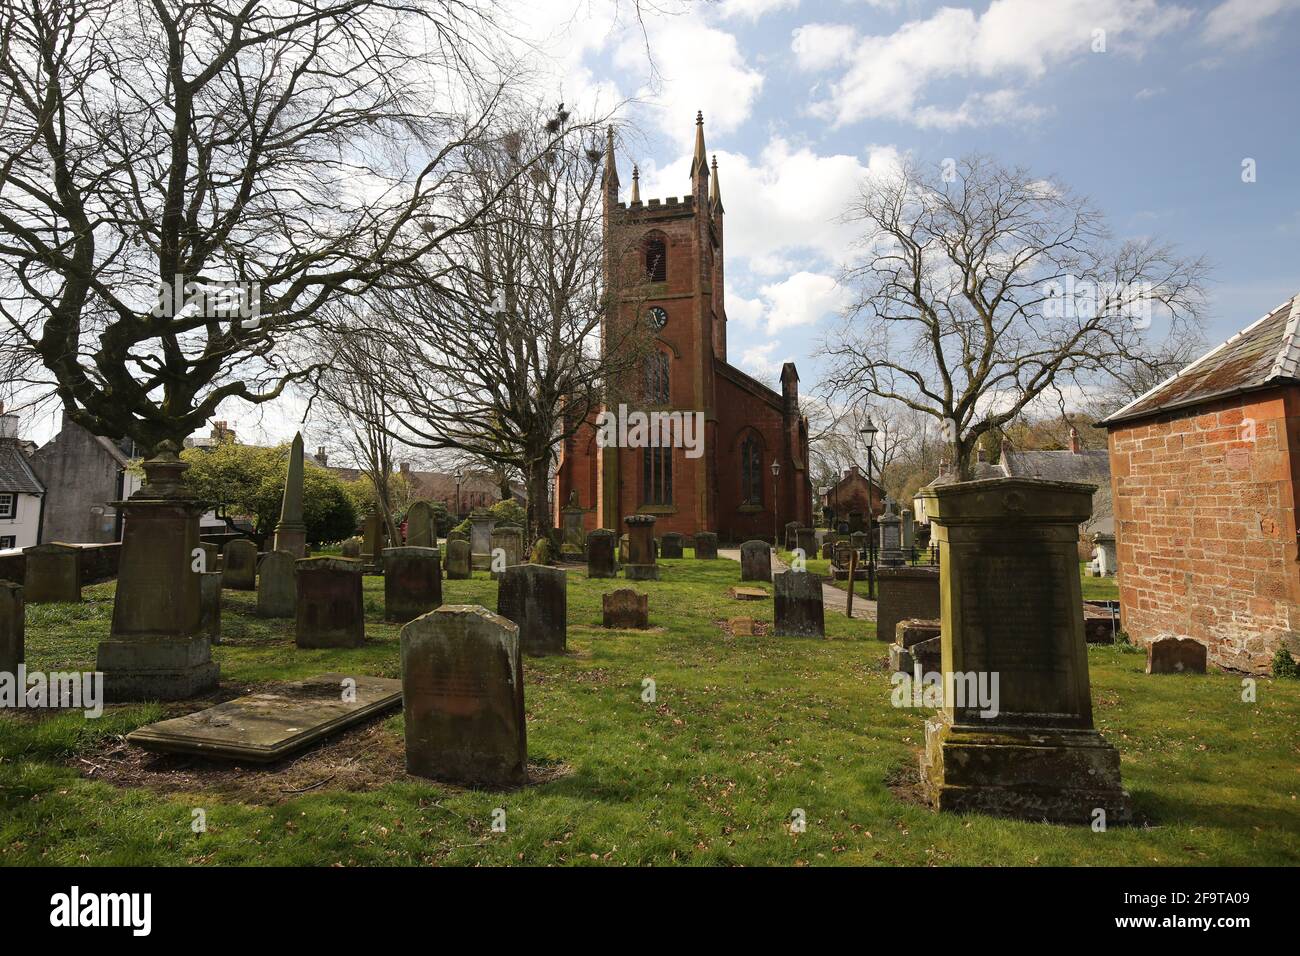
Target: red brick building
[853,493]
[673,250]
[1204,476]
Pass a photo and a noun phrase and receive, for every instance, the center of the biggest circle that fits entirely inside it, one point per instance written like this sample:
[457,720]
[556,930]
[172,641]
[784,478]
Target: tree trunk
[539,522]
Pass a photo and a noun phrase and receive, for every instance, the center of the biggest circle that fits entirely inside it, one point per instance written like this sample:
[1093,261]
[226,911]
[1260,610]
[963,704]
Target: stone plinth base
[160,669]
[1052,774]
[641,572]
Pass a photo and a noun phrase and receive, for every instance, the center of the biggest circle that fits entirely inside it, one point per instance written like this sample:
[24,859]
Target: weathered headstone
[625,609]
[463,697]
[374,538]
[909,529]
[12,620]
[903,593]
[1011,607]
[600,554]
[1107,556]
[1176,655]
[210,605]
[791,535]
[858,541]
[291,532]
[756,561]
[806,538]
[351,548]
[277,591]
[211,557]
[536,598]
[798,606]
[623,548]
[640,564]
[330,611]
[671,545]
[747,594]
[239,565]
[891,536]
[507,545]
[481,524]
[458,560]
[421,527]
[571,526]
[828,550]
[53,574]
[741,626]
[855,522]
[412,582]
[908,637]
[706,546]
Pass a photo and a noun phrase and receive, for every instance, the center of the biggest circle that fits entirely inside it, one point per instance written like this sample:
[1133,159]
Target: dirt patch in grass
[904,782]
[361,759]
[761,627]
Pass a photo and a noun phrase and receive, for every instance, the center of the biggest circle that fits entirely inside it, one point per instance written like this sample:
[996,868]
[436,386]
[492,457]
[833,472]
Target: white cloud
[748,312]
[1013,41]
[700,68]
[822,46]
[758,360]
[754,9]
[803,299]
[1239,23]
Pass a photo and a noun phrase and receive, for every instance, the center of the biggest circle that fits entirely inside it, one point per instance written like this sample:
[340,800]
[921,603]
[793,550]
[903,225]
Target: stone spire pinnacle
[636,184]
[715,197]
[611,166]
[700,163]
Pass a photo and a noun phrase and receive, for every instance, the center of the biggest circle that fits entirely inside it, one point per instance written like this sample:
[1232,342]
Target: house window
[656,379]
[656,260]
[8,505]
[8,541]
[751,471]
[657,477]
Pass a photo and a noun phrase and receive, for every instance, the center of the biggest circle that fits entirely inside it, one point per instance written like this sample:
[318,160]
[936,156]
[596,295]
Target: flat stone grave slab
[266,726]
[741,626]
[748,594]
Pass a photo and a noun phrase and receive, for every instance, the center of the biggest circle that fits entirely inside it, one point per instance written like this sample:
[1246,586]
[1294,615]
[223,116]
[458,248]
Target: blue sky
[1152,119]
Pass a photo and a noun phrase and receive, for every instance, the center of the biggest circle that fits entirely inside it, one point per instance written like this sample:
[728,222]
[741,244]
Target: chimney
[8,426]
[1074,440]
[321,456]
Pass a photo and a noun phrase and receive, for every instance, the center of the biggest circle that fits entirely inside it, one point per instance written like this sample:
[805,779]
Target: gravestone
[351,548]
[855,523]
[741,626]
[463,698]
[755,561]
[374,538]
[571,527]
[828,550]
[12,619]
[543,551]
[277,591]
[53,574]
[858,542]
[291,532]
[909,529]
[536,598]
[211,558]
[331,611]
[798,606]
[891,536]
[791,535]
[1011,607]
[210,605]
[706,546]
[1107,557]
[747,594]
[239,565]
[600,554]
[412,582]
[275,721]
[640,564]
[626,609]
[622,549]
[1176,655]
[916,642]
[806,538]
[421,527]
[903,593]
[671,546]
[509,540]
[481,524]
[458,560]
[156,648]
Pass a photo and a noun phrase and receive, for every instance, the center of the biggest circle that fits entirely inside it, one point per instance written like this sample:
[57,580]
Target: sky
[1149,108]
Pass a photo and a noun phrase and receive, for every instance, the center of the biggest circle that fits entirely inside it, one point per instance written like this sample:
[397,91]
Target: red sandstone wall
[1206,526]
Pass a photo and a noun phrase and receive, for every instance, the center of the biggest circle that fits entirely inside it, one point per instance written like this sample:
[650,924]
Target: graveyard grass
[743,732]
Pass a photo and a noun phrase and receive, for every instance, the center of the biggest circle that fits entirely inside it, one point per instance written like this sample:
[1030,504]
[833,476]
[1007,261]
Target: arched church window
[751,471]
[656,378]
[656,260]
[657,475]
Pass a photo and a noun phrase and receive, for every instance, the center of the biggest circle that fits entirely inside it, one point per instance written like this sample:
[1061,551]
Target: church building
[664,267]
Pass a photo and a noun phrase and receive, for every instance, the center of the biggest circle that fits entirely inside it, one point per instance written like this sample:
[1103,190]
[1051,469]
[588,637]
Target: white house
[22,495]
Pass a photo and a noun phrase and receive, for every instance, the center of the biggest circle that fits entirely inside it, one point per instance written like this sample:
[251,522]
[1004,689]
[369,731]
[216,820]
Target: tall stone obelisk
[291,532]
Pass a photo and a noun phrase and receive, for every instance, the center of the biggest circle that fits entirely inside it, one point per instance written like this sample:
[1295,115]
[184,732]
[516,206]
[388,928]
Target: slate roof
[16,476]
[1265,353]
[1091,466]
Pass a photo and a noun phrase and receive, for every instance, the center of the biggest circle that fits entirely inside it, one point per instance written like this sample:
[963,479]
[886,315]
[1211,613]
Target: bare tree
[502,353]
[256,161]
[984,288]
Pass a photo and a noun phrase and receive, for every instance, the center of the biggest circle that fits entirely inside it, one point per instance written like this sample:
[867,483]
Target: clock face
[657,318]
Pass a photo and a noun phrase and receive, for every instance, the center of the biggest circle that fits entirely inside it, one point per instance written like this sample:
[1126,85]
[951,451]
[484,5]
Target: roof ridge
[1288,356]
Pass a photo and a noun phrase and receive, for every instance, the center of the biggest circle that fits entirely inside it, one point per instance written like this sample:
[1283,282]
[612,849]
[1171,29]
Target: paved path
[832,597]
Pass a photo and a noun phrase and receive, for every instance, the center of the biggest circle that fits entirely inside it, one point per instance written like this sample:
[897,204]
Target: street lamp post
[776,521]
[459,475]
[869,431]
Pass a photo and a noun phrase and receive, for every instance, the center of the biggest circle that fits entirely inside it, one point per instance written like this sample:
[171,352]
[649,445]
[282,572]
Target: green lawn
[743,732]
